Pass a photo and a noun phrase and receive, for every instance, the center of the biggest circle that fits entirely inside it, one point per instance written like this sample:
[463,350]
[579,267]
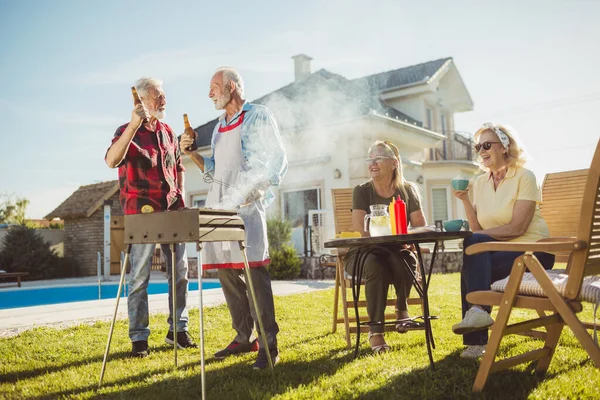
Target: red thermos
[401,224]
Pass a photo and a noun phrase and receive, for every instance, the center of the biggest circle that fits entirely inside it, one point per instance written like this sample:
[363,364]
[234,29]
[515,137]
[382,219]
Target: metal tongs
[208,178]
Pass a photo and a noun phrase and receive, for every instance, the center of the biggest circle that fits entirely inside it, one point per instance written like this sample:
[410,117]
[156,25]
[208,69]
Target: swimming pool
[25,297]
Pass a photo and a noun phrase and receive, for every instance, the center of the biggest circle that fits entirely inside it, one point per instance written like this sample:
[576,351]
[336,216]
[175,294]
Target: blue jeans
[480,270]
[137,301]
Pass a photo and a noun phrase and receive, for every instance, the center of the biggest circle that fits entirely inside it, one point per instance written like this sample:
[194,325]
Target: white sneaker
[473,352]
[475,319]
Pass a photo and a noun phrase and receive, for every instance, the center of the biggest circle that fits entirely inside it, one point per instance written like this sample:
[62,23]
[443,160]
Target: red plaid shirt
[148,173]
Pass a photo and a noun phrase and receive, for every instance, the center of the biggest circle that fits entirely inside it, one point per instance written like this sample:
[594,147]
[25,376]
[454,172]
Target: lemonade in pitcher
[380,221]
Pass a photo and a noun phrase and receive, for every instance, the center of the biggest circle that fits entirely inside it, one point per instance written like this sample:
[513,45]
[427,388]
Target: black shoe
[184,340]
[139,349]
[262,362]
[236,348]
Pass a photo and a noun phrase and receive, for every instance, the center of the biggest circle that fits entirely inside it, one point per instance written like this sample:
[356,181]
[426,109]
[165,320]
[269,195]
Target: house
[84,214]
[327,123]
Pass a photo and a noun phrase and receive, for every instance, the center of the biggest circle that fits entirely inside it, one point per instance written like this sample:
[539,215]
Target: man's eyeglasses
[485,145]
[378,159]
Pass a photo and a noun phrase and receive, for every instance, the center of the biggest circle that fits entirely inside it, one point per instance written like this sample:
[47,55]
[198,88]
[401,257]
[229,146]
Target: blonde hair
[397,176]
[514,155]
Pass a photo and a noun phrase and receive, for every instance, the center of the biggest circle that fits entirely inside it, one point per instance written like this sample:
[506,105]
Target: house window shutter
[439,198]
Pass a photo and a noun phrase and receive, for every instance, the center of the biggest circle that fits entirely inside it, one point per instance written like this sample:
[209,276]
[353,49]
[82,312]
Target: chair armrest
[556,239]
[547,247]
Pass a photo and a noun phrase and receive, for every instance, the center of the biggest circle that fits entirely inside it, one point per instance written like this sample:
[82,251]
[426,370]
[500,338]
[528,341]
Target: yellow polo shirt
[495,207]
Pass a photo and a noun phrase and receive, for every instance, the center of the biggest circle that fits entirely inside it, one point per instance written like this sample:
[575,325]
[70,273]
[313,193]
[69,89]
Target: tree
[12,209]
[24,250]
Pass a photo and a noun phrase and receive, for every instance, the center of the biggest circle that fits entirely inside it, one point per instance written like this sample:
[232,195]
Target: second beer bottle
[188,130]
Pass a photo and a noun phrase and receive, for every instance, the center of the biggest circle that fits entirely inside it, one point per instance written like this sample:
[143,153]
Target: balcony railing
[458,147]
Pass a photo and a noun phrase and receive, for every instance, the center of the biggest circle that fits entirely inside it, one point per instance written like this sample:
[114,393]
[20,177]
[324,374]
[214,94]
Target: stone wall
[447,261]
[84,238]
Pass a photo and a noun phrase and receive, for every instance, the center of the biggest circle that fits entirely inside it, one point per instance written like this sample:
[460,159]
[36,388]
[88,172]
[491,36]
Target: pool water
[27,297]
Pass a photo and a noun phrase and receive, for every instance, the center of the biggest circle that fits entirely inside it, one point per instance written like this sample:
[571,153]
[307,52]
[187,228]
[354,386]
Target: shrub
[24,250]
[284,263]
[279,233]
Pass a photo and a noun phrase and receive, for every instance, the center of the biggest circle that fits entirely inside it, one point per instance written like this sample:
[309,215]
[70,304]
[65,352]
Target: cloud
[168,65]
[61,117]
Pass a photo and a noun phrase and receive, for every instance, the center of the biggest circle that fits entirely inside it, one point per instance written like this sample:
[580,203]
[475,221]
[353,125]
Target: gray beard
[222,101]
[158,114]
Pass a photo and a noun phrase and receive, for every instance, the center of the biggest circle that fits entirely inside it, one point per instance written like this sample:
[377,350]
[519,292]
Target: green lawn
[49,363]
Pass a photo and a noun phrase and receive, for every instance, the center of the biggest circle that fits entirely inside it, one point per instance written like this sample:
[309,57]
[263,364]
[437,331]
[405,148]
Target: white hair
[143,85]
[231,75]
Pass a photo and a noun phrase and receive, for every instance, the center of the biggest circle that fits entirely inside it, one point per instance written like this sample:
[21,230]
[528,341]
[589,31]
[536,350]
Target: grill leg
[174,286]
[112,324]
[201,310]
[260,323]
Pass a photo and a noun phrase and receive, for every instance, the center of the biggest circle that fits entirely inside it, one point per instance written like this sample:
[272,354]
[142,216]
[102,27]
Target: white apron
[229,161]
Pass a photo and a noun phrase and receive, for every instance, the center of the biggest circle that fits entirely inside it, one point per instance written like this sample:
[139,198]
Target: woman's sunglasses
[377,159]
[485,145]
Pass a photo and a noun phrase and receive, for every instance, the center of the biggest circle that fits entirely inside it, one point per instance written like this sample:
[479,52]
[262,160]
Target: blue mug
[460,184]
[455,225]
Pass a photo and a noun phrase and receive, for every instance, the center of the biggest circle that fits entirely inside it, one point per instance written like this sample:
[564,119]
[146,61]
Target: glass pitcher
[380,221]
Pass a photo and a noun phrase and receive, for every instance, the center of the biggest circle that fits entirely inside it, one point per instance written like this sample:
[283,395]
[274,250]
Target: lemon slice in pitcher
[380,220]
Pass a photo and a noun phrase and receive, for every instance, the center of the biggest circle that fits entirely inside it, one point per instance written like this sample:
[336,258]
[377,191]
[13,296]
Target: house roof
[414,74]
[325,97]
[85,200]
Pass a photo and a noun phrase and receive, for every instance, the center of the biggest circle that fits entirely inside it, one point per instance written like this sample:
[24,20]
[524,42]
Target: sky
[66,67]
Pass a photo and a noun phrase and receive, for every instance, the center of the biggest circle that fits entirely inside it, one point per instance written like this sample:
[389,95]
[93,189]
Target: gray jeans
[137,301]
[241,308]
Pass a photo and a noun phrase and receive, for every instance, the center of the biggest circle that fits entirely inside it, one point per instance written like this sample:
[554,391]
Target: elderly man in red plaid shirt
[147,154]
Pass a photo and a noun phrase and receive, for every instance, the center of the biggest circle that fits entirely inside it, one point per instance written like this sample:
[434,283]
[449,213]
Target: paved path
[15,320]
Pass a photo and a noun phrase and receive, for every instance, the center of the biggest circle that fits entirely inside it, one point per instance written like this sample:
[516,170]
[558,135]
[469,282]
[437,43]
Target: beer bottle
[136,98]
[188,130]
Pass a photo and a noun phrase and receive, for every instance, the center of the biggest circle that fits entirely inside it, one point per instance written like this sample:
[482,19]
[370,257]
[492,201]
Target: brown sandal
[381,348]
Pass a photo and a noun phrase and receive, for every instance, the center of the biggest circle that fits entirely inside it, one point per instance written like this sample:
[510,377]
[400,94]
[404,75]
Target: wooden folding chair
[342,214]
[562,196]
[558,291]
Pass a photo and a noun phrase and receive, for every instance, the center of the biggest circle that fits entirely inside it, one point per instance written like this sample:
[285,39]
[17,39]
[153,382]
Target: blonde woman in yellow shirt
[504,207]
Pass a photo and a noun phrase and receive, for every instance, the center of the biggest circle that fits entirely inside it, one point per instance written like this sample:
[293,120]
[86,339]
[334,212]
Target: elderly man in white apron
[247,158]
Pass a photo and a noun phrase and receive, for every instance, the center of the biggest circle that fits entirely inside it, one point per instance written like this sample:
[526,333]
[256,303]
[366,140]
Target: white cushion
[590,289]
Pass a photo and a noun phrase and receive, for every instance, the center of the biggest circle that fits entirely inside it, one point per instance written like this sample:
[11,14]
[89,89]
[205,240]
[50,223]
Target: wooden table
[390,244]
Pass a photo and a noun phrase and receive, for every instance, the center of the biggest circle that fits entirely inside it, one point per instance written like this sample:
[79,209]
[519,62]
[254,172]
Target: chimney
[301,66]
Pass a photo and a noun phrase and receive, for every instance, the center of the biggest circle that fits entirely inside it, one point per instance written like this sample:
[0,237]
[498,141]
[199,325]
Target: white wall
[412,106]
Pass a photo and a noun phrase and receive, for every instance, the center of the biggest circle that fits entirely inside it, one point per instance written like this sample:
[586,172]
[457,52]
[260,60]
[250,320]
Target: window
[198,200]
[296,205]
[440,202]
[428,118]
